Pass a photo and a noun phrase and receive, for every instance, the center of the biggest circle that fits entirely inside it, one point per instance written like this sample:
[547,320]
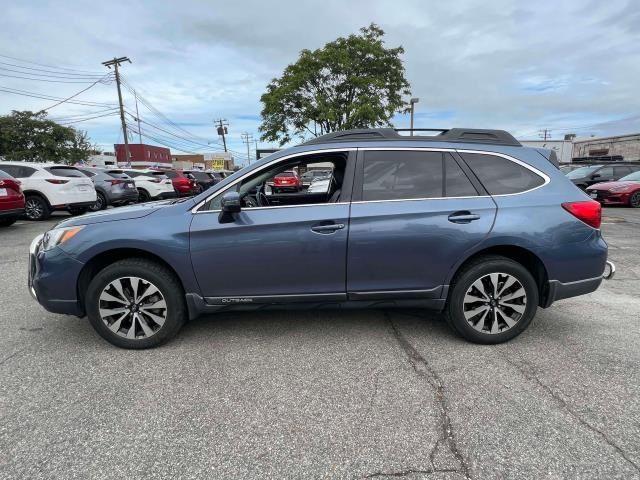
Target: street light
[413,102]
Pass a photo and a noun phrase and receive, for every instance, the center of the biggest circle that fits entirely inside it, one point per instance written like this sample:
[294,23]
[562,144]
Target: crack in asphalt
[404,473]
[424,370]
[526,370]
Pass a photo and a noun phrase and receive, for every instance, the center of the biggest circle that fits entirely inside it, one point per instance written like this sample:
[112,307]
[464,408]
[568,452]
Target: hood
[610,185]
[120,213]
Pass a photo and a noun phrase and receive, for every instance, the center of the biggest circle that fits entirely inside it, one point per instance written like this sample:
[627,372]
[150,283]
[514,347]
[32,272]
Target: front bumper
[52,279]
[14,212]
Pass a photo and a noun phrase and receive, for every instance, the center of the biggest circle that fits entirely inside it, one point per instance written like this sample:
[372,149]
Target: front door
[417,213]
[285,247]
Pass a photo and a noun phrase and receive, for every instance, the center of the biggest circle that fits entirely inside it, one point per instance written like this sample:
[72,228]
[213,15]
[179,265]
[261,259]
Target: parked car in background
[589,175]
[287,182]
[113,187]
[49,187]
[203,179]
[151,185]
[182,184]
[216,175]
[469,222]
[625,191]
[568,167]
[11,199]
[310,176]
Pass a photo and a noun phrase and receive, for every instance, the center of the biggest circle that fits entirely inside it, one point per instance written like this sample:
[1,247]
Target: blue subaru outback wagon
[467,221]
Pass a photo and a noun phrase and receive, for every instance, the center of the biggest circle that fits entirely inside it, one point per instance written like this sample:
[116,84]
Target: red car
[184,185]
[625,191]
[287,181]
[11,199]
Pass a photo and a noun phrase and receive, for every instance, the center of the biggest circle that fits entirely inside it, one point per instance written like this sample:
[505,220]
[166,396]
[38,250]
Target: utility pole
[222,125]
[138,118]
[116,63]
[413,102]
[545,133]
[247,138]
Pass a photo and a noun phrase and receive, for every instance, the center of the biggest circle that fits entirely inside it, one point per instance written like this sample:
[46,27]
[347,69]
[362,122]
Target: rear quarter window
[501,176]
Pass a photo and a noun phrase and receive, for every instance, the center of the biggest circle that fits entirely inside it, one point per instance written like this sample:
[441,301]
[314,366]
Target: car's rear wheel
[36,208]
[143,196]
[136,303]
[634,200]
[492,300]
[101,203]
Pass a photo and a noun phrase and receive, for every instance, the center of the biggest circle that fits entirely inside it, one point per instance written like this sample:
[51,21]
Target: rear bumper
[124,196]
[559,290]
[13,212]
[67,206]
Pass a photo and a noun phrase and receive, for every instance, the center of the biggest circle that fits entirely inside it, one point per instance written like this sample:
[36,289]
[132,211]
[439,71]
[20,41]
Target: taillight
[115,182]
[590,212]
[56,181]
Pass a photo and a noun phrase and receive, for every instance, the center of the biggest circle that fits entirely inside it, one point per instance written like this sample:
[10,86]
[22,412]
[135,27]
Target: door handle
[330,228]
[463,217]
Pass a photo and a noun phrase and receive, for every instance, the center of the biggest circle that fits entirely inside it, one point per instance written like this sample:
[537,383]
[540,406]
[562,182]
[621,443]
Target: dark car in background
[113,187]
[591,174]
[468,222]
[11,199]
[203,179]
[183,184]
[625,191]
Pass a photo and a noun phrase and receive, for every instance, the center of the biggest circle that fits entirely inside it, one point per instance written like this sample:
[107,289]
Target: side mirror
[231,202]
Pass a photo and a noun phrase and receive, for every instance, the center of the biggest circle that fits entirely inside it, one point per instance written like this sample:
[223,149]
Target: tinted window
[201,176]
[632,177]
[87,172]
[133,173]
[456,183]
[621,171]
[13,170]
[501,176]
[391,175]
[68,172]
[117,174]
[582,172]
[171,174]
[4,174]
[605,172]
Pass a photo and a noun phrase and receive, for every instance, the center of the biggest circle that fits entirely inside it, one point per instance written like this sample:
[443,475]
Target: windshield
[583,171]
[632,177]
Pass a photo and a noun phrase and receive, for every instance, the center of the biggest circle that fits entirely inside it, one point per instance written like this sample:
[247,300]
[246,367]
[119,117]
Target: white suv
[151,184]
[48,187]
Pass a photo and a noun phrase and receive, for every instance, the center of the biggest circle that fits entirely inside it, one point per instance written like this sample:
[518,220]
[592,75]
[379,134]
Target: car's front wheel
[136,303]
[492,300]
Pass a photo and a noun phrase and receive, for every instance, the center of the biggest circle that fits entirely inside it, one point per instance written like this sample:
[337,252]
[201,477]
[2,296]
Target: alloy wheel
[634,201]
[33,209]
[133,308]
[96,207]
[495,303]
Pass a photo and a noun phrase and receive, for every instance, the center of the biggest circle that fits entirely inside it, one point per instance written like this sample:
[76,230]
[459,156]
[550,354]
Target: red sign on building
[142,155]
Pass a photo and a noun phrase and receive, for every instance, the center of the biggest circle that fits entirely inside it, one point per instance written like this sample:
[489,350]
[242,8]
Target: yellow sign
[217,164]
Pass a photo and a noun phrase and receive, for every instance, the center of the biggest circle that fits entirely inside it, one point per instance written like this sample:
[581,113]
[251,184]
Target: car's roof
[35,164]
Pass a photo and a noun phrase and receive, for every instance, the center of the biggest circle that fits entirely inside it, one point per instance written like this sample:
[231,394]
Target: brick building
[143,155]
[616,148]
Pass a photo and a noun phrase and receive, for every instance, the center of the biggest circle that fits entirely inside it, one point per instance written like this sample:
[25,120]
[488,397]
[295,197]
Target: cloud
[500,64]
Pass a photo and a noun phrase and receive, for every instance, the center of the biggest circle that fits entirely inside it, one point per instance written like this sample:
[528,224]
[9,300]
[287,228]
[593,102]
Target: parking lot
[325,394]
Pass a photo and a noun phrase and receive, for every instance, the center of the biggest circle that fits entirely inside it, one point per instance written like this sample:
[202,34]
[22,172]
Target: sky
[570,66]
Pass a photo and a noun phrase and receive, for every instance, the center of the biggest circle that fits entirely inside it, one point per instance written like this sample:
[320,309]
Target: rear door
[415,213]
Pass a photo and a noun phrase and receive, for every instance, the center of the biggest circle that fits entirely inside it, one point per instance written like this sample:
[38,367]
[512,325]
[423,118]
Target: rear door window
[501,176]
[397,174]
[69,172]
[13,170]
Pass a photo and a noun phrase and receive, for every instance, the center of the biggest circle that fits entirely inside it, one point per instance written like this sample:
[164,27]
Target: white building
[563,148]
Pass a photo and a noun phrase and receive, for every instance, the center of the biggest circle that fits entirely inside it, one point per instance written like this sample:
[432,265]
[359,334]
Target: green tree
[352,82]
[28,136]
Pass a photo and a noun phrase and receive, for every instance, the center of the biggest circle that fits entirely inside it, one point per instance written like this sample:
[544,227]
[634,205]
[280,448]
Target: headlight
[58,236]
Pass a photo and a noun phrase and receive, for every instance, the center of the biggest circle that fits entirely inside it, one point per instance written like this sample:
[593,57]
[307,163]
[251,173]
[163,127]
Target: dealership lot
[325,394]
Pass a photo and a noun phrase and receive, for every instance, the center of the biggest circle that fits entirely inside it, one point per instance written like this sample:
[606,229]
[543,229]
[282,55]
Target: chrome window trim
[419,199]
[268,164]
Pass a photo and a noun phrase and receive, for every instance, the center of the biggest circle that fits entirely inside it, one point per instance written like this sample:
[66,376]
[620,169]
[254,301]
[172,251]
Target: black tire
[6,222]
[36,208]
[149,271]
[101,203]
[634,200]
[476,270]
[143,195]
[75,211]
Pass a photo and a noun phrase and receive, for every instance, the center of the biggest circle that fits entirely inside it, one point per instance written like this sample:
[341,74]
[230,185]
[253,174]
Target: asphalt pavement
[325,394]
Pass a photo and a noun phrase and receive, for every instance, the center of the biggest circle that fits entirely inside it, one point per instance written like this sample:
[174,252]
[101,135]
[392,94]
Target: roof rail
[460,135]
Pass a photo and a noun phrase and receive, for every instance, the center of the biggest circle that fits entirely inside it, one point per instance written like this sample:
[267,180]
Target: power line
[72,96]
[50,66]
[44,79]
[62,72]
[27,93]
[81,115]
[67,76]
[86,119]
